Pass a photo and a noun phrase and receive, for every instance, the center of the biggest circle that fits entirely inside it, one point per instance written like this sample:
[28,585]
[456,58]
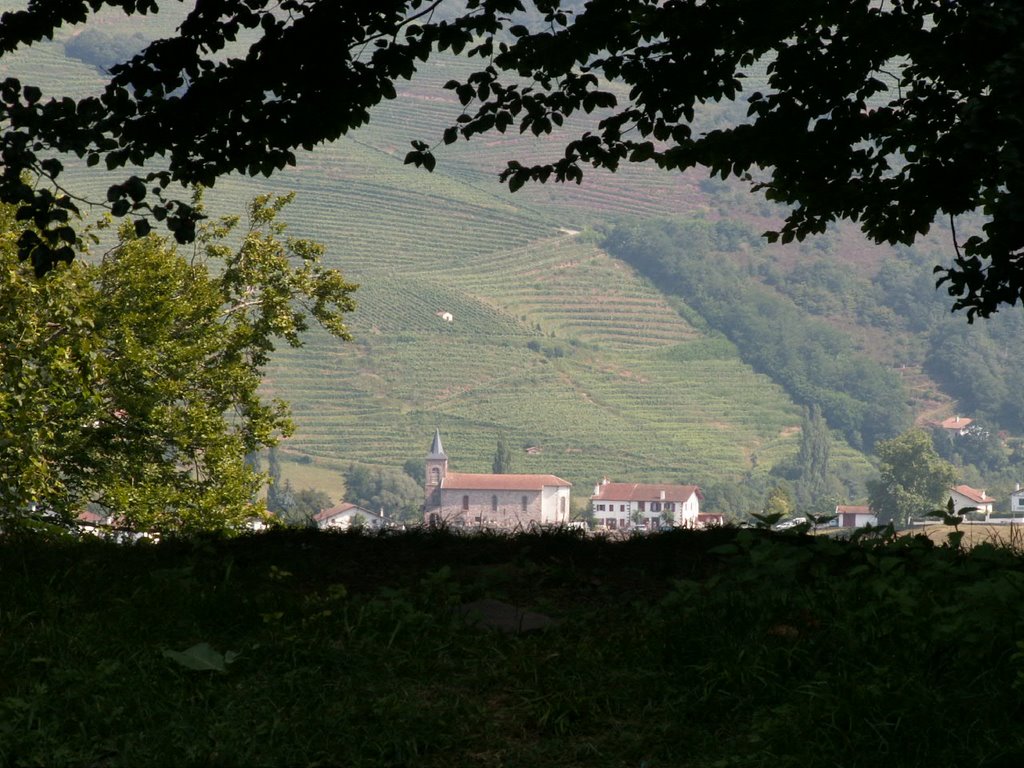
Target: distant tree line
[813,361]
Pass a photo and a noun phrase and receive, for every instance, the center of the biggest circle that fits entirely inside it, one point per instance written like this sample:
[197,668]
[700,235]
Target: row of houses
[964,498]
[524,501]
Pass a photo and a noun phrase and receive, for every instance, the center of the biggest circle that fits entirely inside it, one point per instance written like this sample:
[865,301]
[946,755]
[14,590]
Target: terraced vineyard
[553,344]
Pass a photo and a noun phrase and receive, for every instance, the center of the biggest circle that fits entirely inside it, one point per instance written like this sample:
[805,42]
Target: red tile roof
[973,494]
[645,492]
[955,422]
[465,481]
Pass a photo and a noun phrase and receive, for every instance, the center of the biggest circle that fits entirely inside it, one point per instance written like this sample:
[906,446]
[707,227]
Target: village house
[1017,501]
[345,516]
[649,506]
[955,425]
[964,497]
[855,516]
[507,502]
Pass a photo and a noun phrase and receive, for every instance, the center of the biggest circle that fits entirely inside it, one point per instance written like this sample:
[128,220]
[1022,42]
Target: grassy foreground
[723,648]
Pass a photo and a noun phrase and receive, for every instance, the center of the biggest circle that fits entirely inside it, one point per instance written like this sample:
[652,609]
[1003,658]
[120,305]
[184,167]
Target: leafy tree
[779,501]
[502,463]
[889,114]
[377,488]
[416,469]
[913,479]
[303,505]
[133,383]
[978,445]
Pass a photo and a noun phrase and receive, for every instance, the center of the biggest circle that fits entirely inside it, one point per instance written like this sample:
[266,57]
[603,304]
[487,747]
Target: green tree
[917,120]
[133,383]
[779,501]
[304,504]
[377,488]
[913,478]
[502,463]
[275,486]
[816,488]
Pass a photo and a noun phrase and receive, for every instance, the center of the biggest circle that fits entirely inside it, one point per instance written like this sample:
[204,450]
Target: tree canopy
[132,383]
[890,114]
[913,480]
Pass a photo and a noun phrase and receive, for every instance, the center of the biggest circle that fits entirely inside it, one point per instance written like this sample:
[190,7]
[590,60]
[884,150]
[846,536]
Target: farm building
[855,516]
[506,502]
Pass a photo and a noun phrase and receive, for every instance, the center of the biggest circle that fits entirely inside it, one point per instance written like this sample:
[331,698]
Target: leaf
[202,658]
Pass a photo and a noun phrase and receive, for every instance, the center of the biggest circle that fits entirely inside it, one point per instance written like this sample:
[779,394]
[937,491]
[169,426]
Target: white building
[645,505]
[345,516]
[965,497]
[855,516]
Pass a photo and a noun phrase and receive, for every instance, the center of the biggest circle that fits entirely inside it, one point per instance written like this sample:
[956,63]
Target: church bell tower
[437,468]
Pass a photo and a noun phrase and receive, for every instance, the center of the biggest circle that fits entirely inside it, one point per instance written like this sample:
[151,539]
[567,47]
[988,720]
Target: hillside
[554,343]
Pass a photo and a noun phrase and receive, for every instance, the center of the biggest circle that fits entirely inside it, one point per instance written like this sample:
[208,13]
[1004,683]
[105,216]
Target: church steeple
[437,466]
[436,450]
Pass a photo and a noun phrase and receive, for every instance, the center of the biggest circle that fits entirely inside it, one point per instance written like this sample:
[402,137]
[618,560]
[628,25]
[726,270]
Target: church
[508,502]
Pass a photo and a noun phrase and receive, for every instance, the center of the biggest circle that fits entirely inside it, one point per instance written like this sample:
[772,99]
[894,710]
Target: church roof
[436,449]
[466,481]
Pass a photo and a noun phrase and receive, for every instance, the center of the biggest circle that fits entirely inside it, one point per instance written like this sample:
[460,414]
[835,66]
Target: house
[955,425]
[507,502]
[645,505]
[1017,501]
[345,516]
[964,496]
[855,516]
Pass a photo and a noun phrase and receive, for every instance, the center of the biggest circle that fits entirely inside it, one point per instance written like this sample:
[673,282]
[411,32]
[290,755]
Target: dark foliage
[888,114]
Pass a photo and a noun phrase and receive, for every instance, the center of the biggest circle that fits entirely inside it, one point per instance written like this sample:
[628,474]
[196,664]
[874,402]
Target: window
[561,505]
[640,506]
[622,507]
[465,502]
[655,506]
[600,507]
[494,503]
[525,501]
[669,506]
[435,476]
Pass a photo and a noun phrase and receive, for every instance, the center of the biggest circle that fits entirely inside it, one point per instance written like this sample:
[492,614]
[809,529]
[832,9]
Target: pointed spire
[436,450]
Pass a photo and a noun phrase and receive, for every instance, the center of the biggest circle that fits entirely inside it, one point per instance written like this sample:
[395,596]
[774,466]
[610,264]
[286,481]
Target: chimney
[663,495]
[956,419]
